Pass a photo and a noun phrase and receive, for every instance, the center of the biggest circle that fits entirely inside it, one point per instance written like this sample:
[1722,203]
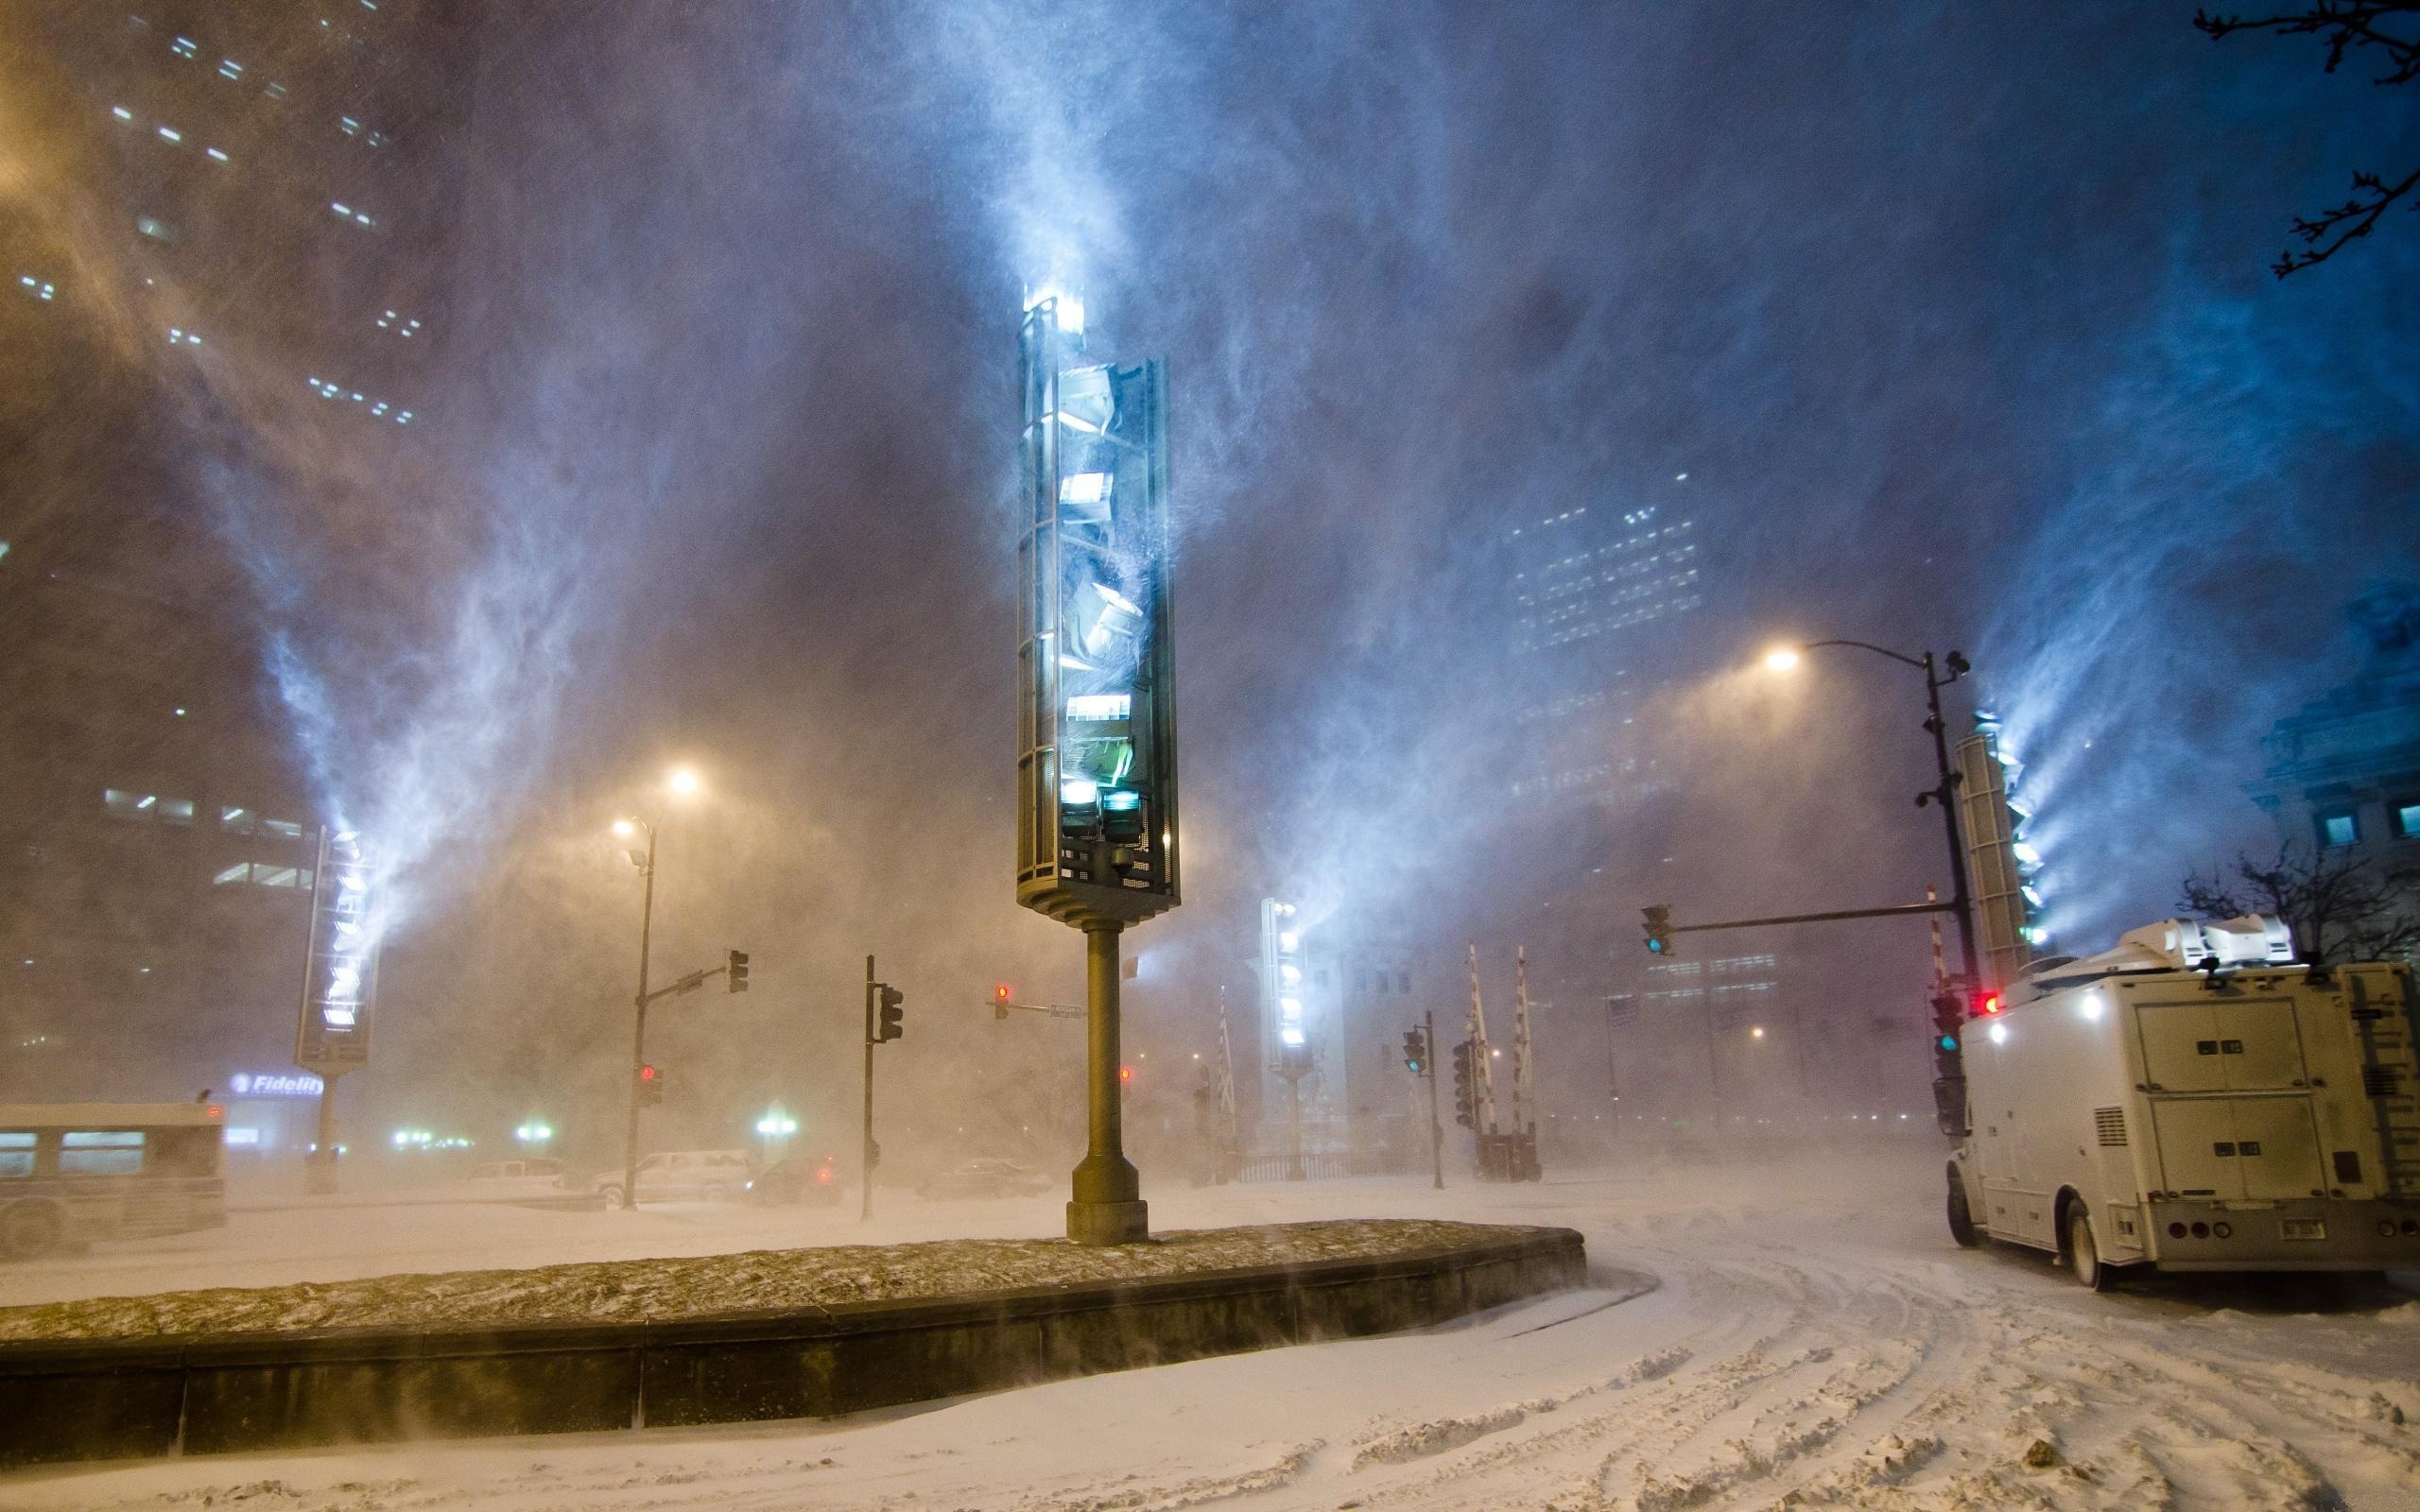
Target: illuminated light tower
[1096,813]
[1287,1046]
[2005,868]
[339,983]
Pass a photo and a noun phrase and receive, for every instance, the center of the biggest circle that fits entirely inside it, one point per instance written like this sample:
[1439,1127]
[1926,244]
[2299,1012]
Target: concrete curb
[86,1400]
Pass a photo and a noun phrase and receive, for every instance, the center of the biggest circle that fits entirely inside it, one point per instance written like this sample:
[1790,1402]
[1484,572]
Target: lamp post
[1783,659]
[681,783]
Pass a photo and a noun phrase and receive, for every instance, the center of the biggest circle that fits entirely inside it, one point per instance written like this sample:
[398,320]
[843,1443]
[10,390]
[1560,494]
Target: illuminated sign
[340,972]
[1096,828]
[273,1084]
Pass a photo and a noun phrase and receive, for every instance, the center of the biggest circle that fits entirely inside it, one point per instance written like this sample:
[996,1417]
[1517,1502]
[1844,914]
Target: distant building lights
[121,113]
[216,153]
[171,134]
[38,288]
[340,207]
[228,68]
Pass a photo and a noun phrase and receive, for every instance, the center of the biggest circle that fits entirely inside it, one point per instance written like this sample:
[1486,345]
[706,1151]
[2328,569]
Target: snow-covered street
[1810,1337]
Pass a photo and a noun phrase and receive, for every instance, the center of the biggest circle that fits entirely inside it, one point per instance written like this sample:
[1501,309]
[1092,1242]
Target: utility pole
[1946,796]
[1436,1130]
[865,1147]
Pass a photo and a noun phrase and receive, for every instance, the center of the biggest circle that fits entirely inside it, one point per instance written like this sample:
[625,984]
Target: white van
[2193,1099]
[681,1176]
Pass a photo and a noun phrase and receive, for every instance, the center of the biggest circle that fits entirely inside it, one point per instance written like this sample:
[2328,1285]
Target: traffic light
[887,1025]
[1126,1076]
[1948,1018]
[1465,1111]
[1948,1061]
[739,970]
[650,1085]
[1001,1001]
[1415,1052]
[1659,928]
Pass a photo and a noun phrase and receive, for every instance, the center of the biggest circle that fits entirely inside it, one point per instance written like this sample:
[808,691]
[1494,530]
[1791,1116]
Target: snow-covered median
[659,1290]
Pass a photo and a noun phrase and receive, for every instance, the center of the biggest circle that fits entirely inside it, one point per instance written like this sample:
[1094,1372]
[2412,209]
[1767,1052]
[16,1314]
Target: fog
[1946,329]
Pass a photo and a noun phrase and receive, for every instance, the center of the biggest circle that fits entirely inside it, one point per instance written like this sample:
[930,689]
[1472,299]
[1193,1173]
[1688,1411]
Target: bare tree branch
[2341,909]
[2348,26]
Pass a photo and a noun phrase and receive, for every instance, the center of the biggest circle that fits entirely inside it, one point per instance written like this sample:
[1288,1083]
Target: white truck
[2195,1100]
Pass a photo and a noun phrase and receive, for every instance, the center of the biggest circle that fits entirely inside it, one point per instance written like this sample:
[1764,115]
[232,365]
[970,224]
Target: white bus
[72,1172]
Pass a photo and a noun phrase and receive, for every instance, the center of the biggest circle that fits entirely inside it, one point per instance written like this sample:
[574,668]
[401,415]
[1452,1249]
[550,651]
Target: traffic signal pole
[638,1039]
[1436,1130]
[865,1147]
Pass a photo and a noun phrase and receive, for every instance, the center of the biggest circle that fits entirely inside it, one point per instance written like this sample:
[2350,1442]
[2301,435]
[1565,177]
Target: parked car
[681,1176]
[987,1178]
[535,1172]
[798,1179]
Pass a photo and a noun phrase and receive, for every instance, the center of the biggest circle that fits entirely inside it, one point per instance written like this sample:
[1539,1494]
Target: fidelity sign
[273,1084]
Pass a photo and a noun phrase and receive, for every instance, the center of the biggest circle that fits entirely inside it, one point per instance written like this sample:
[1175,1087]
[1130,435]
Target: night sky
[1957,318]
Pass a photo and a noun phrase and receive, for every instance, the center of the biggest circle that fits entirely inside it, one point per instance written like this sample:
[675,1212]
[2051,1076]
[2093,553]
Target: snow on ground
[601,1291]
[1815,1341]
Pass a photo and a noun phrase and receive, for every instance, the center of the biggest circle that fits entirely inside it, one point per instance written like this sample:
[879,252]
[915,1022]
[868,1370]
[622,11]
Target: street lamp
[682,782]
[1784,658]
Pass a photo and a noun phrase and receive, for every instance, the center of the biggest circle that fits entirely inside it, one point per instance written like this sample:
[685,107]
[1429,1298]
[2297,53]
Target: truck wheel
[1962,1222]
[2084,1256]
[29,1231]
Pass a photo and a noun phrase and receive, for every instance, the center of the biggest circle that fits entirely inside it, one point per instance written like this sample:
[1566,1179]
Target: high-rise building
[223,237]
[1595,591]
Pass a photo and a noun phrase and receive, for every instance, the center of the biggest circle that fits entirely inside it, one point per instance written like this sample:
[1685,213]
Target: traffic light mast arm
[1891,912]
[688,984]
[1056,1010]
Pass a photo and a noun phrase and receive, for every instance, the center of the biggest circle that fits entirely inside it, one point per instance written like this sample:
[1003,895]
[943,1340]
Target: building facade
[226,287]
[2343,774]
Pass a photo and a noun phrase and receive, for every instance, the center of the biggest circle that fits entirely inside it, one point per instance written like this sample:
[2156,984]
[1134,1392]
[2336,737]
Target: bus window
[101,1152]
[16,1154]
[184,1152]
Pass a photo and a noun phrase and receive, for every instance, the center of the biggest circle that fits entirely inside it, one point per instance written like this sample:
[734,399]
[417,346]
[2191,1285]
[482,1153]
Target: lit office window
[282,829]
[2407,821]
[125,805]
[40,288]
[176,811]
[2339,829]
[240,821]
[240,872]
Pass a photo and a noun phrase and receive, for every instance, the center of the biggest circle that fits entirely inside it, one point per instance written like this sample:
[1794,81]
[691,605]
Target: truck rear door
[2230,1094]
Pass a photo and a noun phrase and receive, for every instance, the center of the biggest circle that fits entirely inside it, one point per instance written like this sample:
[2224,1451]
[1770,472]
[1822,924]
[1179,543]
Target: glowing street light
[1937,675]
[624,829]
[682,780]
[1756,1033]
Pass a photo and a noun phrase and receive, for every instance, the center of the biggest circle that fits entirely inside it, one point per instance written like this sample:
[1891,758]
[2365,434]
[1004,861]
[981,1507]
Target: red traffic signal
[1988,1003]
[1001,1001]
[647,1074]
[1125,1074]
